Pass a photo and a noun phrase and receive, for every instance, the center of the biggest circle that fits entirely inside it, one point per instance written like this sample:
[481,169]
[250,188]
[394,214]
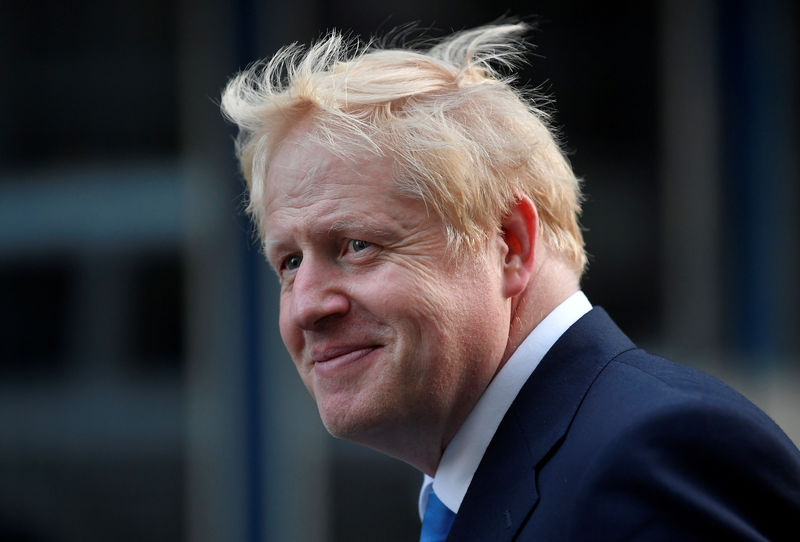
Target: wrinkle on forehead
[311,169]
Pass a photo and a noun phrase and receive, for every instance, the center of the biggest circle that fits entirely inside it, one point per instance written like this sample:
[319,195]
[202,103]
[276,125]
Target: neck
[552,283]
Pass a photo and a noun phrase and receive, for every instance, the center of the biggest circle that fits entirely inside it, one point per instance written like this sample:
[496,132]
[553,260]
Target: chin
[361,426]
[347,427]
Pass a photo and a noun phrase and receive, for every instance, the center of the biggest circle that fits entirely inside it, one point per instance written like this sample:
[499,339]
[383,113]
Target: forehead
[310,191]
[306,182]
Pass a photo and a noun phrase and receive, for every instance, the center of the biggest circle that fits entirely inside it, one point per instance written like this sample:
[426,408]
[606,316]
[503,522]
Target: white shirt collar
[464,453]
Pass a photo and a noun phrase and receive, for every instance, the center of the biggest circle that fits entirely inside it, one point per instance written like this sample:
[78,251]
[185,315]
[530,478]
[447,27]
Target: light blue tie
[437,520]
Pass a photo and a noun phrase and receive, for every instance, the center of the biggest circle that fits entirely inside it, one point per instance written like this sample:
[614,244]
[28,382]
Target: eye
[357,245]
[292,262]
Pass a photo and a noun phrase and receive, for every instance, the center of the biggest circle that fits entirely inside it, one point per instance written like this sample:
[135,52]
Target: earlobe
[520,229]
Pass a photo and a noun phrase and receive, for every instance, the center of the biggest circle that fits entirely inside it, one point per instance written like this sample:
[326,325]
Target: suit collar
[503,491]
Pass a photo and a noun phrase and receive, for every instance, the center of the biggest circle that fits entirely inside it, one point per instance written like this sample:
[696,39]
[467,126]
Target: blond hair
[462,138]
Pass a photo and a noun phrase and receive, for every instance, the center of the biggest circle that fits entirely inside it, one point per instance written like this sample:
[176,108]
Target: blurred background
[144,391]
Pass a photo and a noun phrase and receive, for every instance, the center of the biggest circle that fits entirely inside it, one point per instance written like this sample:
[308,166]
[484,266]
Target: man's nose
[317,295]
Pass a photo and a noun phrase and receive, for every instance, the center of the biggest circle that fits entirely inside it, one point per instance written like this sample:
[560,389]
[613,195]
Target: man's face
[393,339]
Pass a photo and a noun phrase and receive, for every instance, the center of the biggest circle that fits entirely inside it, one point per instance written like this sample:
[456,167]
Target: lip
[331,359]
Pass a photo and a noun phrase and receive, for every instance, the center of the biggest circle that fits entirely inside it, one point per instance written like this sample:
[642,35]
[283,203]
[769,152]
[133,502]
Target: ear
[520,228]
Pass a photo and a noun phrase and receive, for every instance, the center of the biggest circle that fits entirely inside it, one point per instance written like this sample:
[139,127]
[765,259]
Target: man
[423,224]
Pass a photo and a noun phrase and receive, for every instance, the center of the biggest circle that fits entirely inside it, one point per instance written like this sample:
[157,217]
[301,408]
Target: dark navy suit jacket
[608,442]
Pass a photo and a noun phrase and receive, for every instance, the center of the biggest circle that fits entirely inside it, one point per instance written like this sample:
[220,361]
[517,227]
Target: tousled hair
[462,138]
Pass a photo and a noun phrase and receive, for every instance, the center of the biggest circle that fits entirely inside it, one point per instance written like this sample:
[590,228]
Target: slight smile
[331,359]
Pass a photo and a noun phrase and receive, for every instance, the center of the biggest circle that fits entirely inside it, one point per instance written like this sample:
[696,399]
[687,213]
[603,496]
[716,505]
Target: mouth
[330,359]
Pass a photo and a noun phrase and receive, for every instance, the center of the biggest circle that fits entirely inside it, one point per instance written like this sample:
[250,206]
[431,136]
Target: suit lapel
[503,491]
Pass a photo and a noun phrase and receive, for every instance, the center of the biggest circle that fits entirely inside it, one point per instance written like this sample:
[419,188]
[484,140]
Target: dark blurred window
[157,332]
[34,315]
[88,79]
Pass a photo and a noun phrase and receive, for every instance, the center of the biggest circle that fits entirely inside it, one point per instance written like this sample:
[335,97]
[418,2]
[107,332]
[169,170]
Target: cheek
[291,335]
[410,300]
[431,310]
[470,310]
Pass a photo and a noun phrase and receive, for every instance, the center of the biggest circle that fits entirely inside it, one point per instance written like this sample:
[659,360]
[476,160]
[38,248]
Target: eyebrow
[348,224]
